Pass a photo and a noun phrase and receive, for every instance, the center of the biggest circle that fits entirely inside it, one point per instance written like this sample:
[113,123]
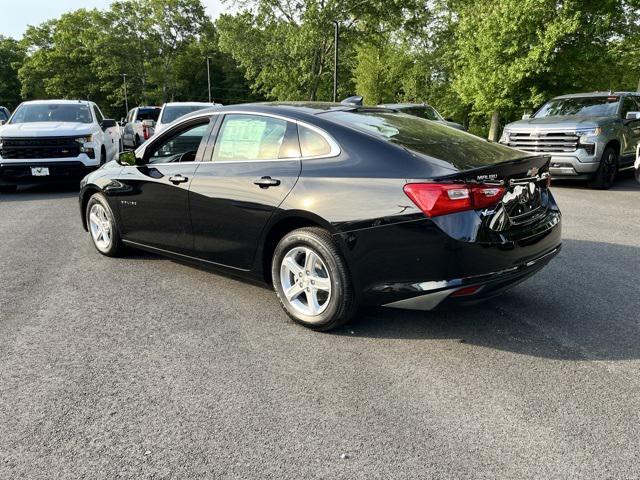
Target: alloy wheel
[101,227]
[305,281]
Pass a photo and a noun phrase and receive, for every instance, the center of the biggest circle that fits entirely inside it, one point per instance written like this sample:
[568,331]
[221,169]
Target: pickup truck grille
[35,148]
[544,141]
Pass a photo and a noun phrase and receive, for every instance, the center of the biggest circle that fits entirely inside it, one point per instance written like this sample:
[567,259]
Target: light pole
[209,77]
[126,99]
[336,38]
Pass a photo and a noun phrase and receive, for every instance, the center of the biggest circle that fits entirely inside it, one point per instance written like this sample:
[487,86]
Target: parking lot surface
[143,367]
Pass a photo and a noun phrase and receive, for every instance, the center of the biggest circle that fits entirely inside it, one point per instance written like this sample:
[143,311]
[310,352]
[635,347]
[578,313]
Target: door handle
[266,182]
[176,179]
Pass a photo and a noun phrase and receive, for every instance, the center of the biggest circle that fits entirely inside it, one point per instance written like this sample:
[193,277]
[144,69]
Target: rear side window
[254,137]
[312,144]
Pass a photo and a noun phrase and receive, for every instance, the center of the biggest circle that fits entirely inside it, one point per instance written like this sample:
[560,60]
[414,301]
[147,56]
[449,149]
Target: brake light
[145,132]
[436,199]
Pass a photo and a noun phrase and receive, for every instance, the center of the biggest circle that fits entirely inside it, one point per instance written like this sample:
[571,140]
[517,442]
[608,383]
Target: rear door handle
[176,179]
[266,182]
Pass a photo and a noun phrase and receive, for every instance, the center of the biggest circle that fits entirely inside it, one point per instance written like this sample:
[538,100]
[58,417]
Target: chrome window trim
[335,147]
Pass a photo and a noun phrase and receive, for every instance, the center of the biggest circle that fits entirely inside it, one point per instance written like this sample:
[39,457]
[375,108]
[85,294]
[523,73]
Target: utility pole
[209,77]
[126,99]
[336,38]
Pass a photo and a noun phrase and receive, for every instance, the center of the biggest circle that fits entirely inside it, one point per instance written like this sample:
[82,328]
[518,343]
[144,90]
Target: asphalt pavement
[143,367]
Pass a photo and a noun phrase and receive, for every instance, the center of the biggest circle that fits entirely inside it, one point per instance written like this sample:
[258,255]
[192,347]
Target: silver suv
[589,136]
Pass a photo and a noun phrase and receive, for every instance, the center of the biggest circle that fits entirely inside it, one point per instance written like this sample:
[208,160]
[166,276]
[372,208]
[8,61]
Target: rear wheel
[311,279]
[607,171]
[102,226]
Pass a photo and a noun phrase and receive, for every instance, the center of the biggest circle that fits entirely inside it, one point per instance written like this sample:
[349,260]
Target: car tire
[607,170]
[103,156]
[102,226]
[8,188]
[309,266]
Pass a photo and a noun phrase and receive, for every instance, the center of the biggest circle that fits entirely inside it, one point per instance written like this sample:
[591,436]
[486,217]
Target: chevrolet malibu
[334,205]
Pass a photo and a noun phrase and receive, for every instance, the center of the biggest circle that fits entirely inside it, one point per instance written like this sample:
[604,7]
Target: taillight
[436,199]
[145,132]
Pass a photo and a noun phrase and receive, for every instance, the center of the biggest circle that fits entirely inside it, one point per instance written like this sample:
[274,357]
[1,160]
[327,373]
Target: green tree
[11,57]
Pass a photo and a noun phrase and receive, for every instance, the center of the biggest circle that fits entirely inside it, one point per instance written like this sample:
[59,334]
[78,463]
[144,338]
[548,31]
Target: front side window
[52,112]
[629,104]
[182,146]
[98,114]
[3,115]
[582,106]
[254,137]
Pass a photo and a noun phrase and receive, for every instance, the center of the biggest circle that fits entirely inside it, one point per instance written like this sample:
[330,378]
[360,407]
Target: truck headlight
[505,136]
[85,139]
[589,132]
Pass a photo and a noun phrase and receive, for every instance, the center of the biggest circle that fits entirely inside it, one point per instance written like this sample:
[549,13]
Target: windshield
[53,112]
[423,112]
[174,112]
[427,139]
[148,114]
[585,106]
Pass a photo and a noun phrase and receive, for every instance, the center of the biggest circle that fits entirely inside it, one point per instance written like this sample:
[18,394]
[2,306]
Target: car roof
[58,102]
[188,104]
[595,94]
[399,106]
[294,110]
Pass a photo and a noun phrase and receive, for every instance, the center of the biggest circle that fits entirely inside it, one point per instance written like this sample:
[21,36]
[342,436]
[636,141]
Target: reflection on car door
[153,199]
[255,163]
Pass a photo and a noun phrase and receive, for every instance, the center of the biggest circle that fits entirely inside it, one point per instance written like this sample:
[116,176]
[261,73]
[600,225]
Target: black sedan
[336,206]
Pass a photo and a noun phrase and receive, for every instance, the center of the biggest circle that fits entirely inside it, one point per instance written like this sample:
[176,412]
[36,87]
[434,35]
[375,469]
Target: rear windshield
[427,139]
[53,112]
[423,112]
[586,106]
[148,114]
[174,112]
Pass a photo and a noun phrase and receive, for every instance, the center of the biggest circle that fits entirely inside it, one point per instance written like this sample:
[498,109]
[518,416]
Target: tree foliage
[471,59]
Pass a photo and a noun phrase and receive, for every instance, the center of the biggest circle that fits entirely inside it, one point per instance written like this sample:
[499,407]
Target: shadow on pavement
[585,305]
[625,182]
[42,192]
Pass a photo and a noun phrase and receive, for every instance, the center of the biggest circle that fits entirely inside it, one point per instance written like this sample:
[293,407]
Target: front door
[254,165]
[631,136]
[153,196]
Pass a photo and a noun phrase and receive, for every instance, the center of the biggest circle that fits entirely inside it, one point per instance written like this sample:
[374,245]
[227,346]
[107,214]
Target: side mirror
[123,121]
[2,122]
[108,123]
[526,116]
[633,116]
[148,123]
[127,158]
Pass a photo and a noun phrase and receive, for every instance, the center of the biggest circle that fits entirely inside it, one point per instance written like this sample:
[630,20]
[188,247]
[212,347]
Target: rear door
[153,197]
[253,165]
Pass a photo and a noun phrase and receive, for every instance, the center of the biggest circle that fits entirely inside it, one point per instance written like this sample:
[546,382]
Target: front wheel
[607,171]
[312,281]
[102,226]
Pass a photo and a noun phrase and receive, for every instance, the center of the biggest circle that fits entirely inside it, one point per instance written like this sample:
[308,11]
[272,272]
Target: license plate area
[39,171]
[522,201]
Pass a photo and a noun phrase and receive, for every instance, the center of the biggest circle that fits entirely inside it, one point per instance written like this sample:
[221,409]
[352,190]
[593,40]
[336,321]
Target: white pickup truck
[55,140]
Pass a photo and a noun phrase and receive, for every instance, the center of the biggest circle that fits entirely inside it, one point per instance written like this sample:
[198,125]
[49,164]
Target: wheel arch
[614,143]
[278,228]
[85,195]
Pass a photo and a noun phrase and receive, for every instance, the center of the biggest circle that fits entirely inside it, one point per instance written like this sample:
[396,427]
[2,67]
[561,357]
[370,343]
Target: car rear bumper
[433,258]
[20,173]
[469,289]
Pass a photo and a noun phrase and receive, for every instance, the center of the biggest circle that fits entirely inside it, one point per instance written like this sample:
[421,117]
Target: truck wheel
[103,156]
[607,171]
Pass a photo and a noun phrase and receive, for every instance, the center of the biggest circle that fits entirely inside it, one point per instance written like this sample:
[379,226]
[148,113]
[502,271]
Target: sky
[15,15]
